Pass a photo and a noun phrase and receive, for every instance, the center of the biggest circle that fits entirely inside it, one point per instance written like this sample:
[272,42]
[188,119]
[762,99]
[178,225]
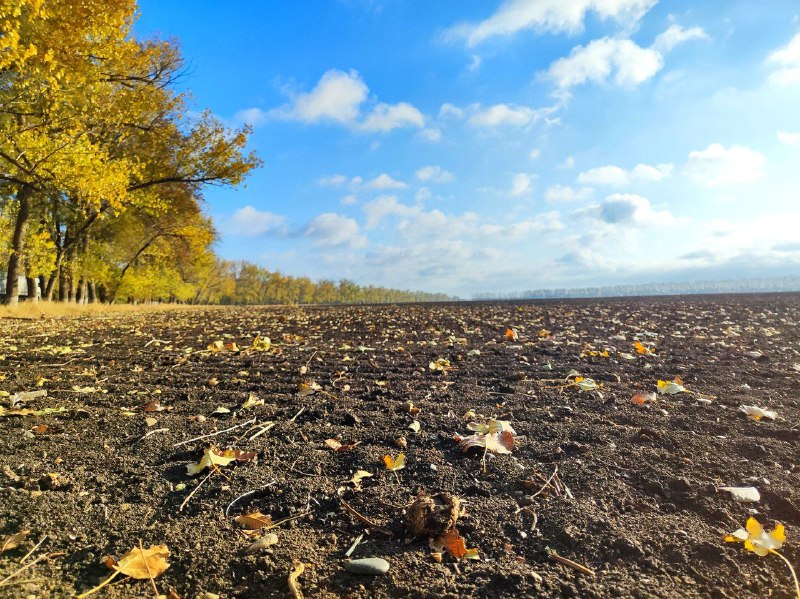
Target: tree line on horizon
[103,166]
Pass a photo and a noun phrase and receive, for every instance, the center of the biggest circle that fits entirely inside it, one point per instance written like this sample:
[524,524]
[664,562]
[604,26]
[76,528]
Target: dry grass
[33,311]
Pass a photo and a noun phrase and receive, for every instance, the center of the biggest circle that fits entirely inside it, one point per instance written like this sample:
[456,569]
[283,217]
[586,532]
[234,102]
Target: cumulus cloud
[385,117]
[616,176]
[564,193]
[521,184]
[548,15]
[333,181]
[625,209]
[341,98]
[790,138]
[620,60]
[383,207]
[384,181]
[786,61]
[333,230]
[502,114]
[434,174]
[718,166]
[251,222]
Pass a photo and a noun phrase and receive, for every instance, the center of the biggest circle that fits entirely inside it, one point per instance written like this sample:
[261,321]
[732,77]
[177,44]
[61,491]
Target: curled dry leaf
[440,365]
[500,443]
[454,544]
[359,476]
[493,426]
[261,343]
[410,408]
[305,389]
[643,398]
[252,401]
[153,406]
[757,413]
[511,334]
[758,540]
[641,348]
[338,446]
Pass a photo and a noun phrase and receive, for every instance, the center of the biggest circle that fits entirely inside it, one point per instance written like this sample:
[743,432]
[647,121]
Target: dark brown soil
[639,502]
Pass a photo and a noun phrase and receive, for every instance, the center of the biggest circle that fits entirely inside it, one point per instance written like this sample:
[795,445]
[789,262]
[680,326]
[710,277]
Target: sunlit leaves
[757,539]
[212,458]
[671,387]
[395,463]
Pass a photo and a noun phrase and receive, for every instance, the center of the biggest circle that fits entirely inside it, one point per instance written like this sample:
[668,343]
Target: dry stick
[263,430]
[27,555]
[791,569]
[294,588]
[354,545]
[568,562]
[148,433]
[190,495]
[251,421]
[285,520]
[352,511]
[547,483]
[293,418]
[26,566]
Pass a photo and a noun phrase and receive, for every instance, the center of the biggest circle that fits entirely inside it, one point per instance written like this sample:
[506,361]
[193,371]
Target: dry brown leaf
[337,446]
[154,406]
[254,520]
[454,544]
[13,541]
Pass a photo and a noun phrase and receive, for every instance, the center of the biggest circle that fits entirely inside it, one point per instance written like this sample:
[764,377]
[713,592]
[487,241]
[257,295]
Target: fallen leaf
[13,541]
[149,421]
[305,389]
[144,563]
[757,413]
[395,464]
[254,521]
[643,398]
[216,346]
[335,445]
[252,401]
[511,334]
[410,408]
[244,456]
[454,544]
[211,459]
[440,365]
[221,410]
[643,349]
[40,429]
[414,426]
[671,387]
[359,476]
[154,406]
[29,412]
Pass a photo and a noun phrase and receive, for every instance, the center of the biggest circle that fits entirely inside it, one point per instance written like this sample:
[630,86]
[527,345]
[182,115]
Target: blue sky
[498,146]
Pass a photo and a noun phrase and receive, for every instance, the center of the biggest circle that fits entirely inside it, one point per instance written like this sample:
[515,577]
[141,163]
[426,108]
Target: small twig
[26,566]
[547,483]
[251,421]
[568,562]
[293,469]
[263,430]
[27,555]
[293,418]
[230,505]
[352,511]
[285,520]
[349,552]
[148,433]
[566,488]
[190,495]
[294,588]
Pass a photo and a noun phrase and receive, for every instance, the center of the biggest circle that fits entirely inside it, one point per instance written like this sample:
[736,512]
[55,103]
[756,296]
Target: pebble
[369,565]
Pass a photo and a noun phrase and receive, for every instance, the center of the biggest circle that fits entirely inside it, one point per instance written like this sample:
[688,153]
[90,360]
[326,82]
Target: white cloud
[450,110]
[423,193]
[791,138]
[534,154]
[333,181]
[521,184]
[434,174]
[548,15]
[383,207]
[384,181]
[625,209]
[718,166]
[630,64]
[433,134]
[333,230]
[349,200]
[502,114]
[787,62]
[385,117]
[616,176]
[619,59]
[340,97]
[251,222]
[676,35]
[251,116]
[563,193]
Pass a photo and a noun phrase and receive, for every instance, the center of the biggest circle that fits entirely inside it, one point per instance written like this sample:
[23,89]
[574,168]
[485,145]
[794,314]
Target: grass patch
[33,311]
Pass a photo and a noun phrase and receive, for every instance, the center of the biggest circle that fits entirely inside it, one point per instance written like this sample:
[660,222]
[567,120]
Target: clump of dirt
[604,472]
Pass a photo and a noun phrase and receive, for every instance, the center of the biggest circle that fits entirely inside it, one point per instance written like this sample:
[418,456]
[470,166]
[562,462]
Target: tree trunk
[17,245]
[42,286]
[84,291]
[33,291]
[91,296]
[73,289]
[62,284]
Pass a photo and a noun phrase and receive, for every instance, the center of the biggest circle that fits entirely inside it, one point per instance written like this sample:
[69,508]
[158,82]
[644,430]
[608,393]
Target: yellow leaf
[14,540]
[144,563]
[254,521]
[395,464]
[210,459]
